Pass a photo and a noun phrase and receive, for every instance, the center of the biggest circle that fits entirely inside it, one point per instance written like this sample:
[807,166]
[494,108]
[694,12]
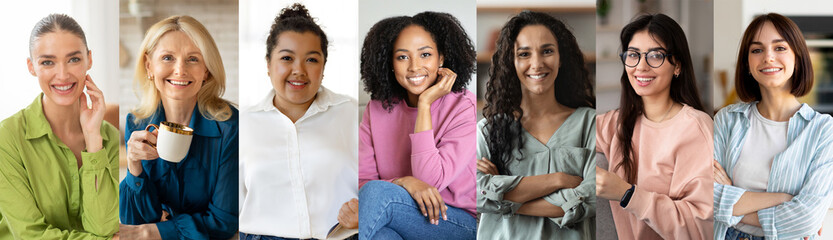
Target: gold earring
[149,77]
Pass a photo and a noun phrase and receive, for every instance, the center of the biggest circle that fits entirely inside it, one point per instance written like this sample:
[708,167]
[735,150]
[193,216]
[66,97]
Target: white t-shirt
[764,139]
[294,177]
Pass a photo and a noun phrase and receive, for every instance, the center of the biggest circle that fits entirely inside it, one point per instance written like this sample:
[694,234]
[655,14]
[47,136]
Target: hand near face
[92,117]
[430,202]
[348,215]
[443,87]
[609,186]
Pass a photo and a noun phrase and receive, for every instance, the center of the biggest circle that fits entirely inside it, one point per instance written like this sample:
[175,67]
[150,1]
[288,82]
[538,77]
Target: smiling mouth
[417,80]
[769,70]
[297,83]
[645,79]
[64,87]
[537,76]
[179,83]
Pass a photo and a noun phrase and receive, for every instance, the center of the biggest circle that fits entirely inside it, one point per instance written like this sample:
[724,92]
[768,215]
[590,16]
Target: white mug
[173,140]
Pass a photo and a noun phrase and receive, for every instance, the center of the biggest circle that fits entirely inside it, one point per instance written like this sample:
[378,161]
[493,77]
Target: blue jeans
[733,234]
[387,211]
[246,236]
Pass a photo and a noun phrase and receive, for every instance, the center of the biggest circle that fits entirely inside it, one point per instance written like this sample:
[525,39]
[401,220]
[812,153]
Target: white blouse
[294,177]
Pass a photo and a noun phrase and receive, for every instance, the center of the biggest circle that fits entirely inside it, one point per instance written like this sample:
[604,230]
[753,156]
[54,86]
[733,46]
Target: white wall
[341,74]
[18,88]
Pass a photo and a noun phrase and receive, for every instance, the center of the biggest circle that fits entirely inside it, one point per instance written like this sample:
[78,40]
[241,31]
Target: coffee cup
[172,141]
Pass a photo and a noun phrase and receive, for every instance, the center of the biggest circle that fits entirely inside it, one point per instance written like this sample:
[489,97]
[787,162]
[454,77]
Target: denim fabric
[734,234]
[387,211]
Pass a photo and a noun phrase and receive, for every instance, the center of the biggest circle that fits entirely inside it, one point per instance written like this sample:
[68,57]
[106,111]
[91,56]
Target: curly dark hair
[683,87]
[294,18]
[377,53]
[573,87]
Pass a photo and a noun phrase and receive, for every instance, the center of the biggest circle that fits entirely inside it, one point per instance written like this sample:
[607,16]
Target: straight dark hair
[683,87]
[801,81]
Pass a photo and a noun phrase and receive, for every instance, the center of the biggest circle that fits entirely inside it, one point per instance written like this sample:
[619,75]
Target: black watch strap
[627,197]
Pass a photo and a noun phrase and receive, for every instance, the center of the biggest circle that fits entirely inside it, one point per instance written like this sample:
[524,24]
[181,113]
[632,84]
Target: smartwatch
[627,197]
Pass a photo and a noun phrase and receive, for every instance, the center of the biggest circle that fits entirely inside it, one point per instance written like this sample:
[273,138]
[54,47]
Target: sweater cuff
[639,203]
[422,142]
[167,229]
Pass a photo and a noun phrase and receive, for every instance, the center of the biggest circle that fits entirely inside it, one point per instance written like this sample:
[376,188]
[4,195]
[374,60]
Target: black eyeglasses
[655,58]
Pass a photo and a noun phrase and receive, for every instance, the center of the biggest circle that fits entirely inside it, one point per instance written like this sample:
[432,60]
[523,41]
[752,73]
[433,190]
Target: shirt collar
[36,124]
[201,125]
[805,112]
[323,100]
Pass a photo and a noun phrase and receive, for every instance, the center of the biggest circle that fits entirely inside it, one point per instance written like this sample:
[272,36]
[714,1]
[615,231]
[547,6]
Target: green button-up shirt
[569,150]
[43,192]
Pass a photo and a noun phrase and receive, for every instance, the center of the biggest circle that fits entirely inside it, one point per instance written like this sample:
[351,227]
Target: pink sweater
[673,196]
[443,157]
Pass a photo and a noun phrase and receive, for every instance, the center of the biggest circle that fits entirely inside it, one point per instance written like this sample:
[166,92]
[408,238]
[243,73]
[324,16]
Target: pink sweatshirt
[443,157]
[673,196]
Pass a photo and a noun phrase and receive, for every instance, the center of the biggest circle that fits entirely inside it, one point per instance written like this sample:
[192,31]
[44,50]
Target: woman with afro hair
[536,167]
[417,135]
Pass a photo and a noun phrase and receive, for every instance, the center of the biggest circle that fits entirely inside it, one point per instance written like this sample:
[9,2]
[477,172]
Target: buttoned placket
[297,179]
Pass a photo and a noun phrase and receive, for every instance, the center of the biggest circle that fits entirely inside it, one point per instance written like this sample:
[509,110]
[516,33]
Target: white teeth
[641,79]
[539,76]
[297,83]
[179,83]
[771,70]
[414,79]
[65,87]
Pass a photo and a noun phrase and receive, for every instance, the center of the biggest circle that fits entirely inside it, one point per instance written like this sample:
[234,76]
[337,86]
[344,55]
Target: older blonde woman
[180,77]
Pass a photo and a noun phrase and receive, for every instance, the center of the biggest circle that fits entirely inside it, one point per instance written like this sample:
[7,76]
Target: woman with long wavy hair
[659,141]
[536,170]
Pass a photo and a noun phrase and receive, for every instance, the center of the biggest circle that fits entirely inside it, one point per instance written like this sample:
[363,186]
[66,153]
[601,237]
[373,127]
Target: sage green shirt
[569,150]
[43,193]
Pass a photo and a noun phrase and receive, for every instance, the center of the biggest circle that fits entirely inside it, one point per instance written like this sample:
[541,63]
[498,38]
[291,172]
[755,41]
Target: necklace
[667,112]
[664,115]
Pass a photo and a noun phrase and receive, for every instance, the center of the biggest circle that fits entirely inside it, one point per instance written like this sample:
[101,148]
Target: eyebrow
[53,56]
[542,46]
[650,49]
[418,49]
[189,53]
[773,41]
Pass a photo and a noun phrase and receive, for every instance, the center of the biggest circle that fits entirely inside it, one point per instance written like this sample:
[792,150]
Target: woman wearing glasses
[659,142]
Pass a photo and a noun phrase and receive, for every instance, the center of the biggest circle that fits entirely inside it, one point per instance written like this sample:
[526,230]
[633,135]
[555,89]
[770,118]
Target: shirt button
[483,192]
[138,184]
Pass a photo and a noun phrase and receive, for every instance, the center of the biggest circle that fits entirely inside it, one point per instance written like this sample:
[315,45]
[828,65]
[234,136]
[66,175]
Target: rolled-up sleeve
[490,190]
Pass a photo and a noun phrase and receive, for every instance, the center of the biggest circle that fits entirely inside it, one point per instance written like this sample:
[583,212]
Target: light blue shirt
[804,170]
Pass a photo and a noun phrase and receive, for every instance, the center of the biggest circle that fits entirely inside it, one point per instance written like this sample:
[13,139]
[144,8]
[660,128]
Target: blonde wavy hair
[210,104]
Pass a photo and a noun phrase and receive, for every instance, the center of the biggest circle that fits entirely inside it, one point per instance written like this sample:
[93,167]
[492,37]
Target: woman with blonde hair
[180,77]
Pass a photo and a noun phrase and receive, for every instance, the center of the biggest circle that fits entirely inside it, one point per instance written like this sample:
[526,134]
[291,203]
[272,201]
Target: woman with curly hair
[536,170]
[659,142]
[417,135]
